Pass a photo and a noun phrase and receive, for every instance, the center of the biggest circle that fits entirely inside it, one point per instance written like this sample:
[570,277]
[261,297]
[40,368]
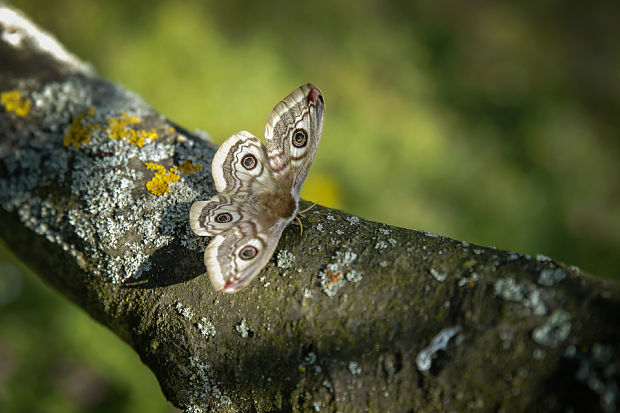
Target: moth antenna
[301,213]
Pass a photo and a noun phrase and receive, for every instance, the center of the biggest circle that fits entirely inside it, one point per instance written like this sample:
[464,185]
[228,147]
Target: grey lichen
[344,258]
[468,281]
[439,276]
[381,245]
[184,311]
[555,330]
[203,386]
[527,295]
[551,276]
[285,259]
[353,220]
[598,372]
[355,367]
[508,289]
[207,329]
[243,329]
[353,276]
[439,342]
[535,302]
[310,358]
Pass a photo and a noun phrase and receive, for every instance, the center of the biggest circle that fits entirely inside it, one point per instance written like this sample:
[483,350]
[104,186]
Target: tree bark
[95,191]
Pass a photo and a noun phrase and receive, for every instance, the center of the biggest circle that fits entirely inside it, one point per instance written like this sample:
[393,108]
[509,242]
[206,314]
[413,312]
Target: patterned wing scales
[235,257]
[240,165]
[223,212]
[293,133]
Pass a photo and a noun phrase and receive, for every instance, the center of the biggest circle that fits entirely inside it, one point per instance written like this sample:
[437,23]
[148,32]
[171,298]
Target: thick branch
[97,203]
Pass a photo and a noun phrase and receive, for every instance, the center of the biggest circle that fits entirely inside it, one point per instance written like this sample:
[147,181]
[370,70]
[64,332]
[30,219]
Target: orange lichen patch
[14,102]
[119,129]
[160,183]
[187,168]
[332,277]
[79,131]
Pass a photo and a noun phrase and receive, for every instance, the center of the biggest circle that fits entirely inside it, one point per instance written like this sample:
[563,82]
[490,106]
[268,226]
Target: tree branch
[95,191]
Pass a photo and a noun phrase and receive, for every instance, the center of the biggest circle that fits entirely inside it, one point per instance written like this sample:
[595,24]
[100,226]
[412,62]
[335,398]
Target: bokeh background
[490,122]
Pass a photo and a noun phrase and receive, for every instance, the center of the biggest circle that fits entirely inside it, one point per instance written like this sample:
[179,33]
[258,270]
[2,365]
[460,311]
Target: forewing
[235,257]
[240,165]
[290,157]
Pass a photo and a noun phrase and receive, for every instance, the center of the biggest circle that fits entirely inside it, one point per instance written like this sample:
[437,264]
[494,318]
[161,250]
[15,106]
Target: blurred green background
[490,122]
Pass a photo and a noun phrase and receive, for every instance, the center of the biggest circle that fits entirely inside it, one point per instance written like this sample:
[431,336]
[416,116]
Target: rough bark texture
[78,204]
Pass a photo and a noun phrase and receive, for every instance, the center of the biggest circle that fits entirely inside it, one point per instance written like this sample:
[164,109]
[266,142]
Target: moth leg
[301,226]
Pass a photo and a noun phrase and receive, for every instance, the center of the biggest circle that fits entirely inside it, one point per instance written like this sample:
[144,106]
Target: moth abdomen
[280,204]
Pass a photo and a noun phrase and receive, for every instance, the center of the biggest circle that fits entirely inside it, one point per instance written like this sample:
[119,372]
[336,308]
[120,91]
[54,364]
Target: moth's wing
[223,212]
[290,159]
[240,165]
[235,257]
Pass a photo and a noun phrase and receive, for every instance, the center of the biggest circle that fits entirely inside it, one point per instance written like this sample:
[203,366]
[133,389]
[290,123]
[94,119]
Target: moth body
[279,204]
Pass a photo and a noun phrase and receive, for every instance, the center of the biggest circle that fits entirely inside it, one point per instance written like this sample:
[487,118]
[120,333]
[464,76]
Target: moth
[258,189]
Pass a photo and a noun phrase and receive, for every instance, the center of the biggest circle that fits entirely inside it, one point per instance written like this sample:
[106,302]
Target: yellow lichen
[14,102]
[79,131]
[187,168]
[160,183]
[119,129]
